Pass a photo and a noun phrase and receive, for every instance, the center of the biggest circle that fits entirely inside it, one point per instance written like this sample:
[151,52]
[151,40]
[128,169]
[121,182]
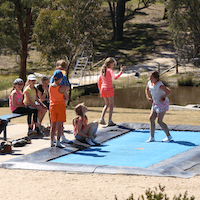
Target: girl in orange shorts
[106,88]
[58,95]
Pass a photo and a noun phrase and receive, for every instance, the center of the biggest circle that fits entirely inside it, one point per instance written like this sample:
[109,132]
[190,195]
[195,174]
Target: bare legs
[109,101]
[41,113]
[56,127]
[160,117]
[91,129]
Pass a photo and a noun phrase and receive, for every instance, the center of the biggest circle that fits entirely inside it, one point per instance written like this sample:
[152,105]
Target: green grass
[6,82]
[145,33]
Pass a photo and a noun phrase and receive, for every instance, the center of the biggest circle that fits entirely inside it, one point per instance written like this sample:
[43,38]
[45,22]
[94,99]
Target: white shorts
[161,107]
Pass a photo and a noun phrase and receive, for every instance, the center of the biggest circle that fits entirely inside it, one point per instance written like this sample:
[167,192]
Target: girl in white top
[157,94]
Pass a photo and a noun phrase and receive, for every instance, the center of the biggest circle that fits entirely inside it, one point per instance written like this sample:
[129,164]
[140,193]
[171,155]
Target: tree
[15,22]
[68,26]
[165,11]
[184,18]
[117,13]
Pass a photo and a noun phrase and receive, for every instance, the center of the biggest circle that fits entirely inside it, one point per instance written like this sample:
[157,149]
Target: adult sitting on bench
[17,105]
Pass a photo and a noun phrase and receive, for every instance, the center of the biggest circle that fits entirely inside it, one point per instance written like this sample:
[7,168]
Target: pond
[135,97]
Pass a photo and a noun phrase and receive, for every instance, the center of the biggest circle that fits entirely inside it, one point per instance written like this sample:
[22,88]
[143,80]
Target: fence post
[176,65]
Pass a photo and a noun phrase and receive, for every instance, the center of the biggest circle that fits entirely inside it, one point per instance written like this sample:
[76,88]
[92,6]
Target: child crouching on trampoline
[84,132]
[160,104]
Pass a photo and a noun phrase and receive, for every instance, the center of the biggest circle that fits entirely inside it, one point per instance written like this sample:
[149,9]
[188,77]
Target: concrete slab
[17,131]
[183,165]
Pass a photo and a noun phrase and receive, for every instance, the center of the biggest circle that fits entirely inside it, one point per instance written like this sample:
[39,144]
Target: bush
[77,93]
[159,195]
[188,81]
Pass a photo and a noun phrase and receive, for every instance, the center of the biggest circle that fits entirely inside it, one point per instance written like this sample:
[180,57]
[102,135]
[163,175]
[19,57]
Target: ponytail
[106,64]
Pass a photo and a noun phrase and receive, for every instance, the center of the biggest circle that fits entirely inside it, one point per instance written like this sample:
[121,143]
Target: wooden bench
[8,117]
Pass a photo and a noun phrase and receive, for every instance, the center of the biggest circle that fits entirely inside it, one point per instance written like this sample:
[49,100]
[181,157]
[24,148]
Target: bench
[8,117]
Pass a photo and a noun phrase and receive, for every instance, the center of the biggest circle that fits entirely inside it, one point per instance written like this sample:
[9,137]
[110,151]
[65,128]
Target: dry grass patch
[121,115]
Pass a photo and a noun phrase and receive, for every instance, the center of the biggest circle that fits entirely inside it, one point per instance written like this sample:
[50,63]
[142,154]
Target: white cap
[32,77]
[18,80]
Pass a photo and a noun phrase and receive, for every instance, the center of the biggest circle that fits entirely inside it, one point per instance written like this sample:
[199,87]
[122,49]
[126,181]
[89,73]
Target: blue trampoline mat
[131,150]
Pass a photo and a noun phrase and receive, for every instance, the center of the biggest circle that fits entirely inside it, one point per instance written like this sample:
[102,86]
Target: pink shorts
[107,92]
[161,107]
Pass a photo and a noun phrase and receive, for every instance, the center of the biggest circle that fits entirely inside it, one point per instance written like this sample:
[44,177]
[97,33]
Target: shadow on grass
[139,41]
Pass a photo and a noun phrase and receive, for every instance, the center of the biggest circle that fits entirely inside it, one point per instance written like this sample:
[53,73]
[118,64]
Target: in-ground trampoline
[123,151]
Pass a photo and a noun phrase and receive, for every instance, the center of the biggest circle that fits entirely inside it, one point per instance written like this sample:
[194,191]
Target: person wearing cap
[17,106]
[57,109]
[61,65]
[31,100]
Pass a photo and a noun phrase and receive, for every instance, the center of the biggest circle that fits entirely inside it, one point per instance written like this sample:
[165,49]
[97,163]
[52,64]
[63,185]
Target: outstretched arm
[119,74]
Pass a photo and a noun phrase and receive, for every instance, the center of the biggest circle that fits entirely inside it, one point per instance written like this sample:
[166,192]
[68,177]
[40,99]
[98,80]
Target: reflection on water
[135,97]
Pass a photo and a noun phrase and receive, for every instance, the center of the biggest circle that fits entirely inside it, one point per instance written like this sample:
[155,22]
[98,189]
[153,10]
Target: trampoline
[130,149]
[128,153]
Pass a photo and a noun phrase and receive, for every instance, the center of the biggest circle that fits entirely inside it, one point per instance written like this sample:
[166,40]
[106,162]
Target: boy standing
[58,95]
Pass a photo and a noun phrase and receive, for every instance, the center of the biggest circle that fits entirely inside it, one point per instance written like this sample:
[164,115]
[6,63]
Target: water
[135,97]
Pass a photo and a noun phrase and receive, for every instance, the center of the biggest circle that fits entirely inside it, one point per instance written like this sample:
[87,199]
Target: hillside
[146,46]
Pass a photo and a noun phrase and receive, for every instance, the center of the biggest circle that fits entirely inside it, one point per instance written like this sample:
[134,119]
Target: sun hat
[57,74]
[32,77]
[18,80]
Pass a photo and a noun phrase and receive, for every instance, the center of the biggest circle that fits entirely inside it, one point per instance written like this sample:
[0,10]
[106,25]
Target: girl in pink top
[106,88]
[17,105]
[83,131]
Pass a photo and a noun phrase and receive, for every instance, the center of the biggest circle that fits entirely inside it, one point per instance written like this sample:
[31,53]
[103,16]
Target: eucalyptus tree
[16,17]
[184,18]
[117,14]
[68,26]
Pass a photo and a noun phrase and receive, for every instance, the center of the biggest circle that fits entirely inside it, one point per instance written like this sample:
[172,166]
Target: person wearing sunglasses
[17,106]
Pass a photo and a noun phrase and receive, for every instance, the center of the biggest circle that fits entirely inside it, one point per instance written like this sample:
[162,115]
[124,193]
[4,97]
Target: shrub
[77,93]
[159,195]
[188,81]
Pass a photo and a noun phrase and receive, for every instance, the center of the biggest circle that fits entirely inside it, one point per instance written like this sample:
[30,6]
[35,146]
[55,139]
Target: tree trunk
[24,35]
[165,11]
[113,18]
[117,16]
[165,14]
[120,19]
[23,59]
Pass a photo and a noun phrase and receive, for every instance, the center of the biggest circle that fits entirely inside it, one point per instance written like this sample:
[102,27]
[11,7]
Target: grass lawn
[124,115]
